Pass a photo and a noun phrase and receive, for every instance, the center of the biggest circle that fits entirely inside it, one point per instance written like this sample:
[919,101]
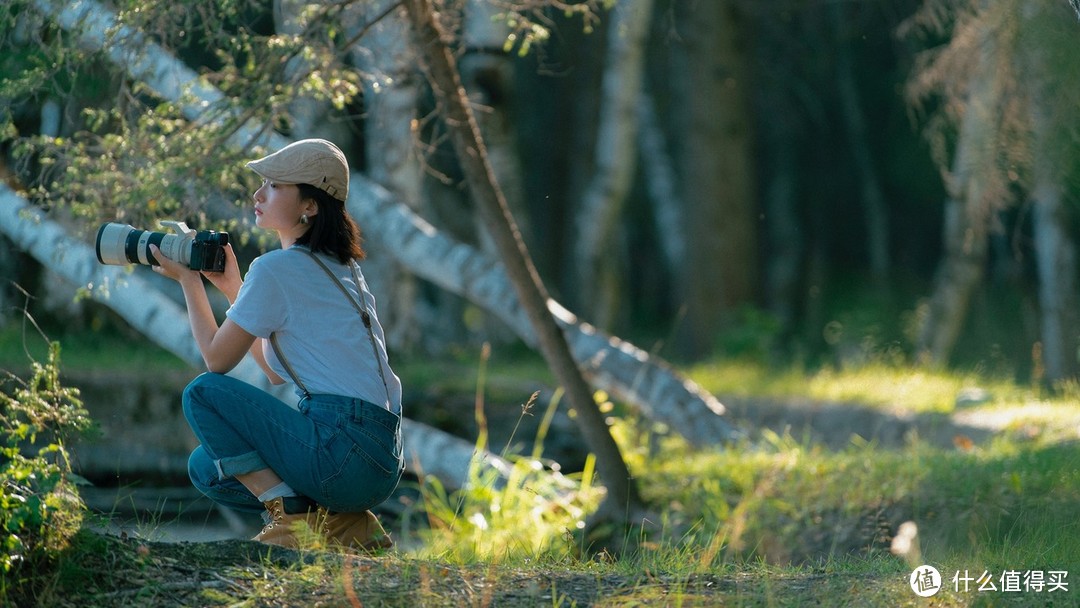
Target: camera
[121,244]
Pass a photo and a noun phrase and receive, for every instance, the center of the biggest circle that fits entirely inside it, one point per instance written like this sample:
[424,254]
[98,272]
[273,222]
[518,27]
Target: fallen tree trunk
[429,451]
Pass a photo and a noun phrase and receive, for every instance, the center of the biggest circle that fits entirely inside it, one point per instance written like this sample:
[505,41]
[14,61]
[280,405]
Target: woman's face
[277,206]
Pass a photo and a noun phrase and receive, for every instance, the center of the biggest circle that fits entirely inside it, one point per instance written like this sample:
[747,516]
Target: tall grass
[528,512]
[1012,501]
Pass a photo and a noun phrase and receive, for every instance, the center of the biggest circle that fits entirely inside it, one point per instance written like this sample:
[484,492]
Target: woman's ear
[309,207]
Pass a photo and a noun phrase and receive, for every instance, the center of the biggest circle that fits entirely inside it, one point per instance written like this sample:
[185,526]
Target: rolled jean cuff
[231,466]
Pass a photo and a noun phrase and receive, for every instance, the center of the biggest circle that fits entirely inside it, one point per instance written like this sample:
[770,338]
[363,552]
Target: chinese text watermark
[926,581]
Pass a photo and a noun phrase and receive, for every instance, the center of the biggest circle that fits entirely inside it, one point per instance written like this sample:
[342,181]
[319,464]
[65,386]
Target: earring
[303,219]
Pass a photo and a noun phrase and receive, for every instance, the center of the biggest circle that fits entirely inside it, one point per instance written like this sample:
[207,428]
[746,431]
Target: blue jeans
[341,452]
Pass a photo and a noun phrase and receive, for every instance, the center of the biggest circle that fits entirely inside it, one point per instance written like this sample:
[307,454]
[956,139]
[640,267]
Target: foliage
[134,157]
[39,506]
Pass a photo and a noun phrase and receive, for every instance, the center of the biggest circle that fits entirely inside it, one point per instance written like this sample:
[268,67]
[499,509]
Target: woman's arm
[229,283]
[222,348]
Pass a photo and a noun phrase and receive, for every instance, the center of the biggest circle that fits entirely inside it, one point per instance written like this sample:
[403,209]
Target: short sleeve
[260,307]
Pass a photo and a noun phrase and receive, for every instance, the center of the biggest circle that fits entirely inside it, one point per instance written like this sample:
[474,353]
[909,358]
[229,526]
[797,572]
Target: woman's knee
[196,393]
[201,469]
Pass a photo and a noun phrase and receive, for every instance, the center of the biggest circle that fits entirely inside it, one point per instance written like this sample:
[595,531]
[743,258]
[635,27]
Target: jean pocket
[327,426]
[380,447]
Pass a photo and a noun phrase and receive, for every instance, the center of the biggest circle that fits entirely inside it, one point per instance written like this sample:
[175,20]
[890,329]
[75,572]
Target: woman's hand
[227,281]
[171,268]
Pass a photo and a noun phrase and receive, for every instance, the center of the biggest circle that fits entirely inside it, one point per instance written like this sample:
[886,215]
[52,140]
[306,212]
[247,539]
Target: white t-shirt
[318,330]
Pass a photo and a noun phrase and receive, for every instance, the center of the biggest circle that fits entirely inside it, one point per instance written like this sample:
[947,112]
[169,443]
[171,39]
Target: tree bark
[718,174]
[1055,249]
[441,68]
[599,282]
[1056,263]
[661,185]
[873,205]
[487,73]
[785,266]
[391,94]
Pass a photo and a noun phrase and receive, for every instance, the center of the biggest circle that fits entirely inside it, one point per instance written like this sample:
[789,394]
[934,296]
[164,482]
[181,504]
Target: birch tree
[717,171]
[971,73]
[661,184]
[1047,58]
[391,100]
[598,222]
[615,366]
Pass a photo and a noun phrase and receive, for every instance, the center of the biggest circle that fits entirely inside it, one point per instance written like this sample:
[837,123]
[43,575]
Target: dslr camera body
[121,244]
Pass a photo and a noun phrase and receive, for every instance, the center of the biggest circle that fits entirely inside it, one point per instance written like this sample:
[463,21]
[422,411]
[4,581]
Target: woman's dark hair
[332,231]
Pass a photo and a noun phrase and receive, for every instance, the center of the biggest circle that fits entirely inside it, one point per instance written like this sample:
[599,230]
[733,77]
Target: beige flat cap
[308,161]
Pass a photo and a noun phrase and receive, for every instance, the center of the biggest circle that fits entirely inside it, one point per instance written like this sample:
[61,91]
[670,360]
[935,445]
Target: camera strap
[365,317]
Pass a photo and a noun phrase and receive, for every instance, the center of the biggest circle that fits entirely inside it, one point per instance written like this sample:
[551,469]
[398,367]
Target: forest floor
[129,572]
[800,515]
[126,570]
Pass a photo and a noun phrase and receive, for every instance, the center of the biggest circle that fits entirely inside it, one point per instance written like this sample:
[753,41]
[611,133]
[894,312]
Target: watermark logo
[925,581]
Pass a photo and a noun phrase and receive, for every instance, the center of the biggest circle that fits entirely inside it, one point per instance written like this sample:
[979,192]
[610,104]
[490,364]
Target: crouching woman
[305,314]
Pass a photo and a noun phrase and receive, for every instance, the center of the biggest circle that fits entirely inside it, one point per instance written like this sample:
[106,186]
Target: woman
[305,314]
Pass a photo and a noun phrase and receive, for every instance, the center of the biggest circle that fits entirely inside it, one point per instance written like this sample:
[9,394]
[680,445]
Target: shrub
[40,509]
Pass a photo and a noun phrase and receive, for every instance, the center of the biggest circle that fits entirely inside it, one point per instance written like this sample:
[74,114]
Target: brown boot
[354,530]
[288,517]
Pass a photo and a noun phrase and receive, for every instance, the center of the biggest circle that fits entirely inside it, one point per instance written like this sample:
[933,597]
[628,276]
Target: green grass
[20,345]
[774,521]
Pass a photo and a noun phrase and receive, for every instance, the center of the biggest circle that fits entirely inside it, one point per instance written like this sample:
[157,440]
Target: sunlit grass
[777,520]
[874,384]
[528,511]
[788,506]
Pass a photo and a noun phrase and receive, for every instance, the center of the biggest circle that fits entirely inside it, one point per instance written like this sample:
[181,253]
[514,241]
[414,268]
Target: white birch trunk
[488,75]
[660,183]
[598,221]
[1055,249]
[391,94]
[1056,263]
[615,366]
[965,238]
